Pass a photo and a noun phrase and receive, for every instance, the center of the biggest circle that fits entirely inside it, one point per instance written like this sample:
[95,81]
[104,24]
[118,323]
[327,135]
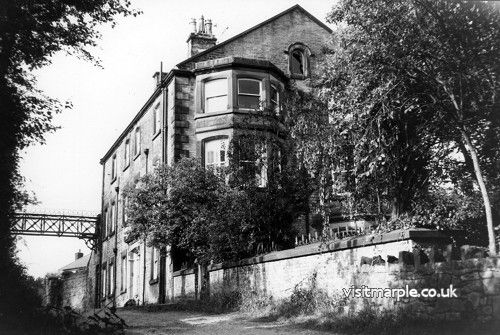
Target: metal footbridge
[62,225]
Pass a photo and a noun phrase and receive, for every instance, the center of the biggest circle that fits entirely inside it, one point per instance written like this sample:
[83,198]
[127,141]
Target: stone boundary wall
[417,258]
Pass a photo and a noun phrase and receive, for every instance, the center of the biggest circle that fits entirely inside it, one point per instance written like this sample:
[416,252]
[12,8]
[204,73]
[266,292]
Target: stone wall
[416,258]
[74,289]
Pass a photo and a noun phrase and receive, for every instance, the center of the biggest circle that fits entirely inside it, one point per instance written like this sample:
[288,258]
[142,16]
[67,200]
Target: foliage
[32,32]
[194,209]
[410,89]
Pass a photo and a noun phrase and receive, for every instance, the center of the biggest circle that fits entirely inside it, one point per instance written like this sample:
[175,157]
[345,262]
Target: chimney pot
[78,255]
[202,38]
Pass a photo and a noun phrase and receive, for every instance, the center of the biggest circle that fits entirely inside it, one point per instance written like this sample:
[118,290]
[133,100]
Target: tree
[31,33]
[431,68]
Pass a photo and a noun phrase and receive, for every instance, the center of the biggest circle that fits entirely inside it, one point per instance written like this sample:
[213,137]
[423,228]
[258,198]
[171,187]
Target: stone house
[69,286]
[193,111]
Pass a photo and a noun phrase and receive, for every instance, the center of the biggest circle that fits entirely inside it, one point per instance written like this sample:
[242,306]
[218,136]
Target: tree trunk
[486,199]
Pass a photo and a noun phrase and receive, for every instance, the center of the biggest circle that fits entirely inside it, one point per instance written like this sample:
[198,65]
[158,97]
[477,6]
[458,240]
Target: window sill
[123,291]
[126,167]
[204,115]
[113,180]
[137,155]
[298,76]
[153,281]
[156,135]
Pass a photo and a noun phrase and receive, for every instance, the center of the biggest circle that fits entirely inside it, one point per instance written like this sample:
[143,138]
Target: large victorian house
[194,111]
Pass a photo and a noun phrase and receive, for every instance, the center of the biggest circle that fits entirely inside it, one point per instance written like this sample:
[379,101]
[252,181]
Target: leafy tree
[32,32]
[416,82]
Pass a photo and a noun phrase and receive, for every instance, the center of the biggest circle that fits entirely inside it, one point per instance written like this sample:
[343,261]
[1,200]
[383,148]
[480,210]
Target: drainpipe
[115,249]
[100,245]
[146,152]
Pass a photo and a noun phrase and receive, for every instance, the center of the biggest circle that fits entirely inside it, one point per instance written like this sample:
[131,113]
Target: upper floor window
[137,141]
[112,218]
[249,93]
[125,211]
[215,95]
[157,119]
[216,153]
[298,60]
[105,225]
[113,168]
[126,154]
[275,99]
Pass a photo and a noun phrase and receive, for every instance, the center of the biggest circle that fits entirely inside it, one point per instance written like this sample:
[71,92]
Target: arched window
[298,60]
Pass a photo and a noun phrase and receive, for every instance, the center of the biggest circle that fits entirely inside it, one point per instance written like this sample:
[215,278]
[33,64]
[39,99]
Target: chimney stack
[78,255]
[202,37]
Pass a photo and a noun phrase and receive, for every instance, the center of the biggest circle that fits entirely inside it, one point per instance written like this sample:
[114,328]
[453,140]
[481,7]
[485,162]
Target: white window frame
[113,168]
[259,95]
[216,162]
[104,280]
[111,276]
[206,83]
[156,119]
[137,141]
[126,154]
[112,217]
[275,103]
[123,273]
[154,263]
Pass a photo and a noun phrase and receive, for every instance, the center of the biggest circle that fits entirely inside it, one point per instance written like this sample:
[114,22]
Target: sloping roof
[291,9]
[81,262]
[180,71]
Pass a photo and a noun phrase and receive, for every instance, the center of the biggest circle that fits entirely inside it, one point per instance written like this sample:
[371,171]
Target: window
[216,153]
[154,263]
[249,93]
[113,168]
[297,62]
[126,155]
[261,165]
[123,273]
[124,210]
[157,119]
[111,278]
[105,224]
[112,218]
[275,99]
[215,95]
[104,281]
[137,141]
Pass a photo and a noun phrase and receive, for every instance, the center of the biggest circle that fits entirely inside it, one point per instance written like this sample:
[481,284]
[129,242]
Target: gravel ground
[179,322]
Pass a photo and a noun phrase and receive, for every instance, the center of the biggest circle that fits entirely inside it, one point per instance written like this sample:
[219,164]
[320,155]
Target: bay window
[216,153]
[275,99]
[215,95]
[249,93]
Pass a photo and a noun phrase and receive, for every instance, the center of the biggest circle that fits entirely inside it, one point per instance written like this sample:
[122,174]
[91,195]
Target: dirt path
[176,322]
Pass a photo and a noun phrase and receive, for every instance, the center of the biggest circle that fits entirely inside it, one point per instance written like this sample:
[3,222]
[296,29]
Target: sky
[65,173]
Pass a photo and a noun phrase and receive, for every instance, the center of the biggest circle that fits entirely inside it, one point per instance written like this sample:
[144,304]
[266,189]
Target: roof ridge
[249,30]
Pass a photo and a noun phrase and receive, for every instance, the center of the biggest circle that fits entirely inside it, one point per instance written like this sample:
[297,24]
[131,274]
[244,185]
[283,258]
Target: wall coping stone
[183,272]
[415,234]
